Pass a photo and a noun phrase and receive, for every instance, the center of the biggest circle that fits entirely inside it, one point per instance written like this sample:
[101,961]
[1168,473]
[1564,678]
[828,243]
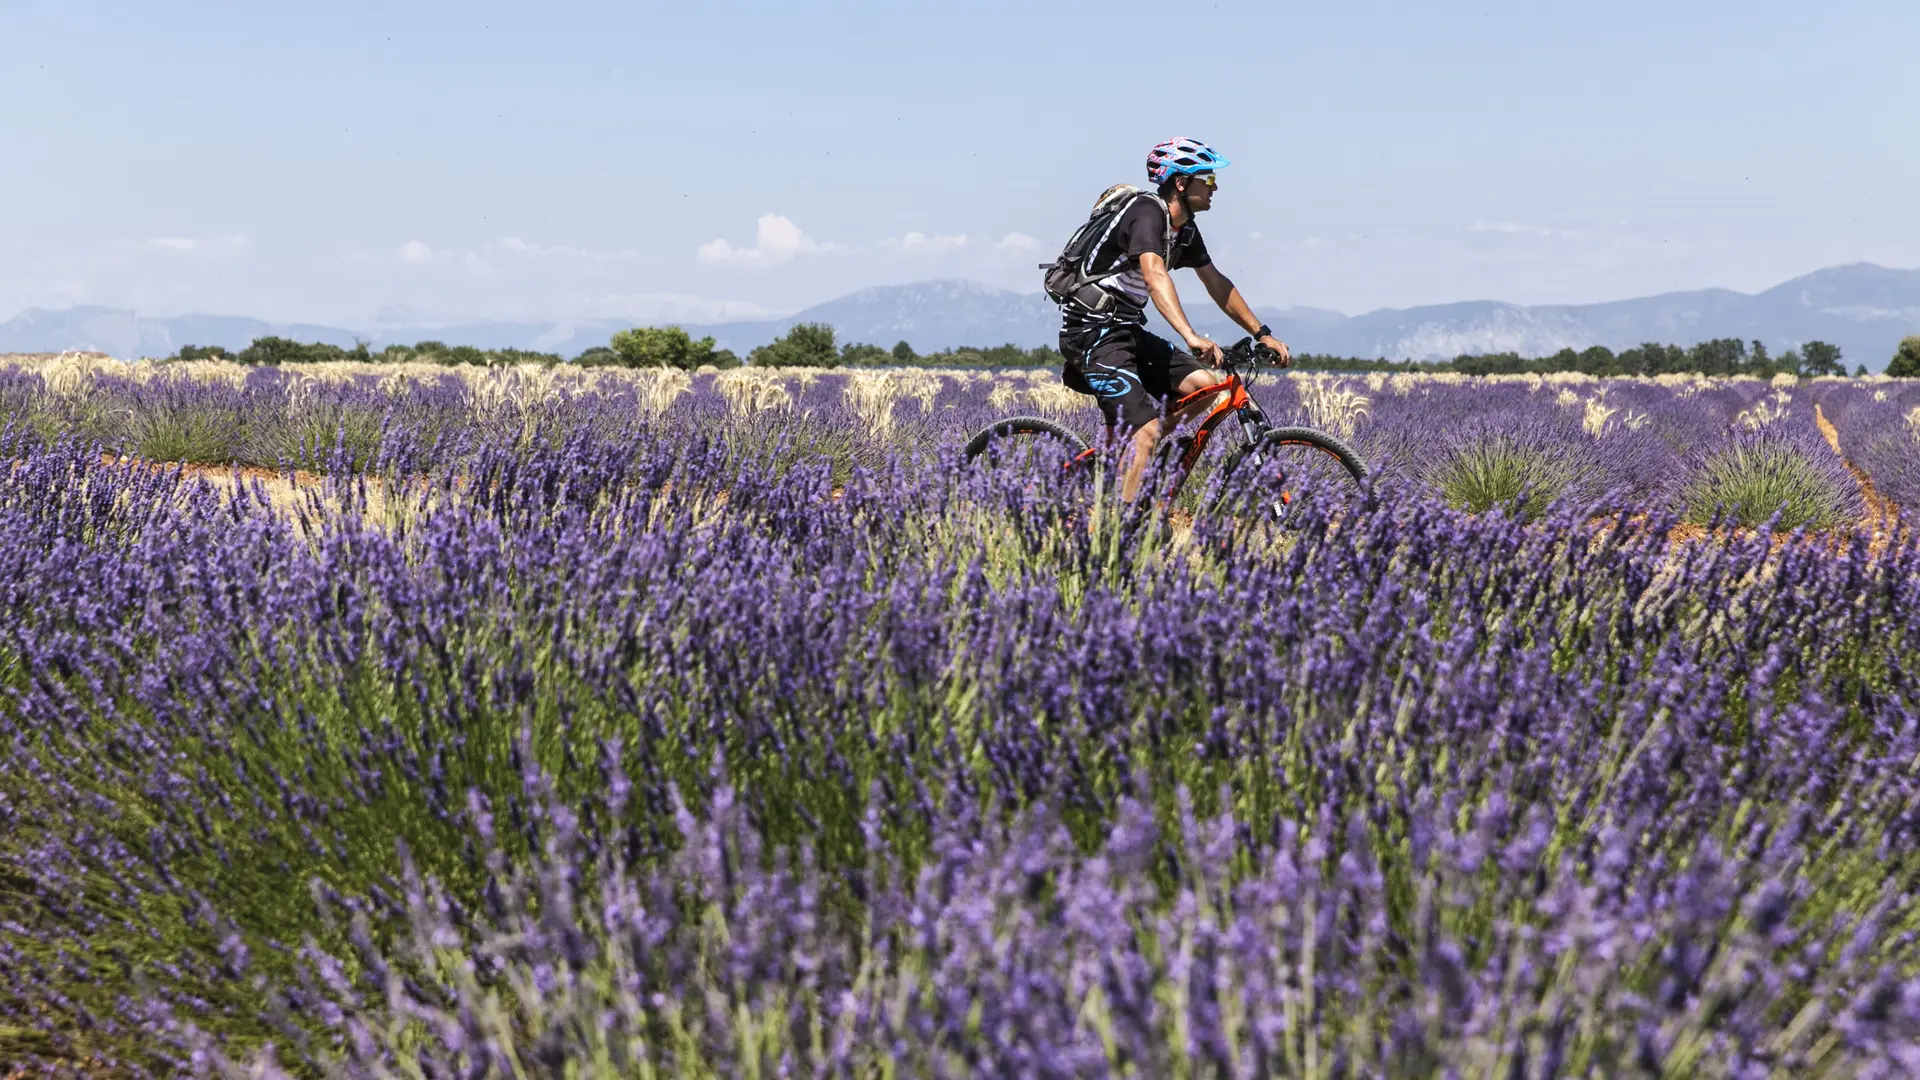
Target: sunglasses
[1206,178]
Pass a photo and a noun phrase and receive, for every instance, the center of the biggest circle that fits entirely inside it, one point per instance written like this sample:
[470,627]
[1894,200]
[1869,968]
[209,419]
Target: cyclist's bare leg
[1148,435]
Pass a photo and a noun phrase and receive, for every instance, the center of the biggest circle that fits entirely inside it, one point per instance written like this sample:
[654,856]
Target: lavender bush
[1772,468]
[1878,426]
[649,728]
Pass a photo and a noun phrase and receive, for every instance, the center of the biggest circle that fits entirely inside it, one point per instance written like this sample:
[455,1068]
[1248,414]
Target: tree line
[814,345]
[805,345]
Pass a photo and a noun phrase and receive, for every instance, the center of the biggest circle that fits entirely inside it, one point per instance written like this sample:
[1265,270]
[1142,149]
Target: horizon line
[559,320]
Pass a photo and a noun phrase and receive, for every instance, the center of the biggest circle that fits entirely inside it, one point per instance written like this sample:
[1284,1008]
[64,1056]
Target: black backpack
[1068,279]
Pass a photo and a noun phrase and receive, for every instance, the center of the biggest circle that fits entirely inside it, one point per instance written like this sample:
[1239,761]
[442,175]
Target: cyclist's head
[1173,166]
[1193,189]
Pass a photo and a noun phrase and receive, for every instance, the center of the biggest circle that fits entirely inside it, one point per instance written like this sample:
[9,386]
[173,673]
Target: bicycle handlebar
[1247,351]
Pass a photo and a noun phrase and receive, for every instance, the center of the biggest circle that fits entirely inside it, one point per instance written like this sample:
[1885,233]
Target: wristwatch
[1264,331]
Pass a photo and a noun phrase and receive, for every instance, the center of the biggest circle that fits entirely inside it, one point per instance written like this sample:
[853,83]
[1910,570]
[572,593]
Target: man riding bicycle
[1103,334]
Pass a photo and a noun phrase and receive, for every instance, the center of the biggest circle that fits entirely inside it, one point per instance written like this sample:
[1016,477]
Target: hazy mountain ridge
[1863,308]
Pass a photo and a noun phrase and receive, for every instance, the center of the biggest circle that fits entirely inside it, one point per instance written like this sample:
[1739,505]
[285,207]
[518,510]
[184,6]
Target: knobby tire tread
[1349,458]
[1014,426]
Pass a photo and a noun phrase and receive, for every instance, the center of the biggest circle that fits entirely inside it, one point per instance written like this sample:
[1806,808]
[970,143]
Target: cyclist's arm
[1160,286]
[1221,288]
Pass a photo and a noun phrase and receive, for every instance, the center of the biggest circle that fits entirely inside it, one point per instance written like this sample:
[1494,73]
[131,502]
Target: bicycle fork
[1254,428]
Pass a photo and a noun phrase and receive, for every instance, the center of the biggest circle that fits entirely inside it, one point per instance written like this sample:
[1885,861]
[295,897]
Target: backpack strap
[1166,232]
[1069,277]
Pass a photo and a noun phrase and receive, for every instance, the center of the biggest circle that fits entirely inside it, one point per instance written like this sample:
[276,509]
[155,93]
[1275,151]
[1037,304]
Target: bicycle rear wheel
[1274,479]
[1028,440]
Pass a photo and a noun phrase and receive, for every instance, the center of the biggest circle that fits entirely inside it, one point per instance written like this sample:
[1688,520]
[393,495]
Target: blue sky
[354,162]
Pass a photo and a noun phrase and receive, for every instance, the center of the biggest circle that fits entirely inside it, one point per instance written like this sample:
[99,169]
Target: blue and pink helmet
[1182,155]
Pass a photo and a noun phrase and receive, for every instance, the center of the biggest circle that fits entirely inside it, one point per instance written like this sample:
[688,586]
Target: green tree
[1906,359]
[202,352]
[277,351]
[1821,359]
[1599,360]
[854,354]
[661,346]
[806,345]
[1721,356]
[510,357]
[903,353]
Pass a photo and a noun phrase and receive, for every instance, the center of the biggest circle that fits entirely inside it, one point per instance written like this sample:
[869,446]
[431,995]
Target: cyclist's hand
[1207,351]
[1282,356]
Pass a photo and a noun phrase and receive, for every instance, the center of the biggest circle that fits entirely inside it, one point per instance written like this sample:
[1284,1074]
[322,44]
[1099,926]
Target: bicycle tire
[1336,449]
[1018,426]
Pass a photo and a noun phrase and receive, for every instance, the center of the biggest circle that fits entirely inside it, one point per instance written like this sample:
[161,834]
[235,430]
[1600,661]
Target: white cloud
[1015,241]
[413,251]
[919,243]
[229,242]
[775,240]
[516,246]
[1515,228]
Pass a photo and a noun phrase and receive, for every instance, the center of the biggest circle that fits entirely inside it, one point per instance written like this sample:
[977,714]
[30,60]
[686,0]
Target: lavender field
[543,723]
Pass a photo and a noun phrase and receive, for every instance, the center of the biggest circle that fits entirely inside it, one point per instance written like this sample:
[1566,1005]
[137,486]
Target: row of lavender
[645,754]
[1878,425]
[1747,447]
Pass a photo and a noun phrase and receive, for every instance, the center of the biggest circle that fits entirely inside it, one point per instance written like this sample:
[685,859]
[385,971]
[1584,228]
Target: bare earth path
[1881,515]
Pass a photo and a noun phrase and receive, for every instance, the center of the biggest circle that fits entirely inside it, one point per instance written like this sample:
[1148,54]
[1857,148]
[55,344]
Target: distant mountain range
[1863,308]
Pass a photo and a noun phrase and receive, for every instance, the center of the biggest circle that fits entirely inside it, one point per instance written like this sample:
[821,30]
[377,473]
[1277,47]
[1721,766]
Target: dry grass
[1332,404]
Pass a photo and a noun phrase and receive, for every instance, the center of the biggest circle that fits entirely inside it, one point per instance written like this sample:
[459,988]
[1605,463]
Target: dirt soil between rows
[1882,517]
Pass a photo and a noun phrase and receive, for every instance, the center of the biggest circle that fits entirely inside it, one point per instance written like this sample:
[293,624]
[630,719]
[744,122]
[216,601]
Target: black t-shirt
[1141,228]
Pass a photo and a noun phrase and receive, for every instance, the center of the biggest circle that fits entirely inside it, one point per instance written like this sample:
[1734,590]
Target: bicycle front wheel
[1275,478]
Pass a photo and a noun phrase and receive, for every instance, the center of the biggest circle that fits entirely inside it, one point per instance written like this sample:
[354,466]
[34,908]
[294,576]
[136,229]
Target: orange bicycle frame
[1236,399]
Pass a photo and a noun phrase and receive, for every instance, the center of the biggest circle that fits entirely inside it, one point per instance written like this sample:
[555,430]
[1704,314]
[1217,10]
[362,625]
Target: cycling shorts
[1130,371]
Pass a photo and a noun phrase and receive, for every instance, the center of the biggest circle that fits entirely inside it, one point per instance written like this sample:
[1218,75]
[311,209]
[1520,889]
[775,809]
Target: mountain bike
[1270,473]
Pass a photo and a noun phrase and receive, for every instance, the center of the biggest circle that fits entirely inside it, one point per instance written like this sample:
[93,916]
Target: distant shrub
[1757,474]
[598,356]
